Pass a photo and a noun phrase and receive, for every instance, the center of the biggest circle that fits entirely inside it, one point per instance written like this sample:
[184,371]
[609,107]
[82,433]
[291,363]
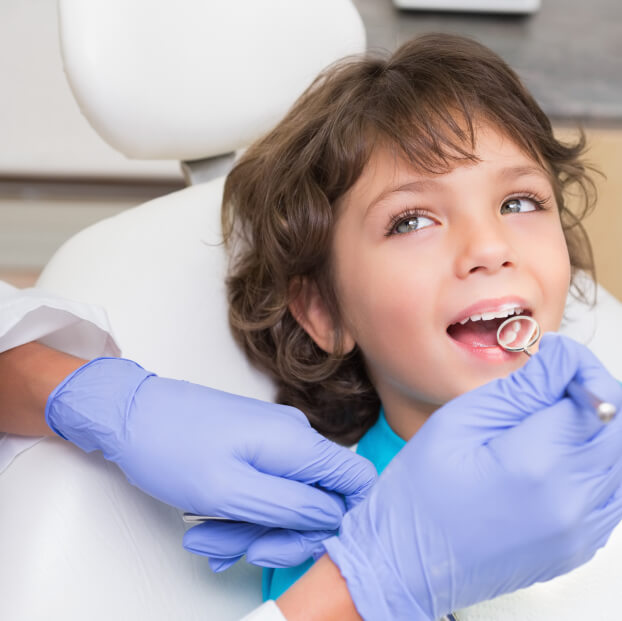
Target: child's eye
[521,204]
[408,223]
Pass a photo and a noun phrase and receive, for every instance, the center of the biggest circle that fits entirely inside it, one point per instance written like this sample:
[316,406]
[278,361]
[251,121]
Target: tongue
[476,333]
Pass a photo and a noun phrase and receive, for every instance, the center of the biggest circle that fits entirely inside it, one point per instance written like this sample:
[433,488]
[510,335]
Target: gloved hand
[210,452]
[504,486]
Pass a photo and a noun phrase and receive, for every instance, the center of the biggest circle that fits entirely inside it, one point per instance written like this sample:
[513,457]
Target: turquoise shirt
[380,445]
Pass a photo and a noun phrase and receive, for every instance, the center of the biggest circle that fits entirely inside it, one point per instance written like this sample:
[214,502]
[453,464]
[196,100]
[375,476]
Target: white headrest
[197,78]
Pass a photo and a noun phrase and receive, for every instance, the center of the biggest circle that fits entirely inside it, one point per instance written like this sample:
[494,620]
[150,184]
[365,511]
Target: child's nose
[483,246]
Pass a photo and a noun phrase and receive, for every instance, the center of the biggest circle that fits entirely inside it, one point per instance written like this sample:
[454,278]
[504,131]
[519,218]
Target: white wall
[47,149]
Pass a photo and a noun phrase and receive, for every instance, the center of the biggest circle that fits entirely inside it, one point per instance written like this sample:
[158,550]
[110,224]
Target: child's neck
[404,416]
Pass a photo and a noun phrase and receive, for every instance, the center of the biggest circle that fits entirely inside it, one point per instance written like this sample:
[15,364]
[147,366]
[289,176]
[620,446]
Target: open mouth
[480,330]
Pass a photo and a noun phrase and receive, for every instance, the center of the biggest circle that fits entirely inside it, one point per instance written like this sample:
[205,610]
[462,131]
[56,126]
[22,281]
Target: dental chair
[193,81]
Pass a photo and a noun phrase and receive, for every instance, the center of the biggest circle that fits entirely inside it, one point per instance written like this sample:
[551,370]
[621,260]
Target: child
[382,231]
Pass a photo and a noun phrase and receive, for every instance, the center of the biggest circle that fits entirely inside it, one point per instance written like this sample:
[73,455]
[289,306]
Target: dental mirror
[517,334]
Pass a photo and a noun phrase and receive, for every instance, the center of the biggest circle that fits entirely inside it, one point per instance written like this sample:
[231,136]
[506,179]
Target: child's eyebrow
[421,185]
[418,185]
[514,172]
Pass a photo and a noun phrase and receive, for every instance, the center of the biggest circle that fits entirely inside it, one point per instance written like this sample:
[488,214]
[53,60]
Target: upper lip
[489,306]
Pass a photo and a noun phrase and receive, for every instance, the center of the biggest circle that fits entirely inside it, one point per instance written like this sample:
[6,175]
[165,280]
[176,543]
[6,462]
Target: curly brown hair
[281,199]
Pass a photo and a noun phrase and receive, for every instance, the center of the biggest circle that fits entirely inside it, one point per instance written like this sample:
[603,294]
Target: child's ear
[310,311]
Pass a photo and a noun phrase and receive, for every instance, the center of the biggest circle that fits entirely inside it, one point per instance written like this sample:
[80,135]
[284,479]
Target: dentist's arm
[28,374]
[199,449]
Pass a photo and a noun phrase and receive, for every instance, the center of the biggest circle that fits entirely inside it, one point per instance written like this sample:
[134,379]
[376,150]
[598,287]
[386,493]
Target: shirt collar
[380,444]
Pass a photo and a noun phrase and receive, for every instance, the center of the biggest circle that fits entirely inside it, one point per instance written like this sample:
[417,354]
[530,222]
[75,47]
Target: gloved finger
[543,379]
[600,524]
[598,446]
[226,542]
[278,502]
[287,548]
[222,540]
[609,514]
[312,459]
[505,403]
[605,447]
[562,355]
[597,379]
[563,436]
[596,490]
[590,535]
[534,447]
[220,564]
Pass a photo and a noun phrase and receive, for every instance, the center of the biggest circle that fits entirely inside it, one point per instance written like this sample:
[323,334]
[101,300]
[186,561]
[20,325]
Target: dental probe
[192,518]
[524,331]
[581,395]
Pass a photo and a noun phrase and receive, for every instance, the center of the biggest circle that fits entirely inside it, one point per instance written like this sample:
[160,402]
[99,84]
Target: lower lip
[489,354]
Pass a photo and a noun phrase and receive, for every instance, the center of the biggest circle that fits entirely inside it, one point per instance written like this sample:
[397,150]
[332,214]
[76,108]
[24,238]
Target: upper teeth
[498,314]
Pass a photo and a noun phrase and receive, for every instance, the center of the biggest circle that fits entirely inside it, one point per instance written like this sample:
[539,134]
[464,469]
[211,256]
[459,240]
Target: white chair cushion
[158,270]
[79,542]
[192,79]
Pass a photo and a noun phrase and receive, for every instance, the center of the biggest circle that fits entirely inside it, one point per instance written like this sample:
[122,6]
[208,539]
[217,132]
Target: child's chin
[483,376]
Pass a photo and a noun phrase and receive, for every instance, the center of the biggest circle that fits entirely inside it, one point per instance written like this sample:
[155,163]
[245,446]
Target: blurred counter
[569,54]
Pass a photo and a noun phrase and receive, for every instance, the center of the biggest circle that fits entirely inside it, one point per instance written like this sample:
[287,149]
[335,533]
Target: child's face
[414,254]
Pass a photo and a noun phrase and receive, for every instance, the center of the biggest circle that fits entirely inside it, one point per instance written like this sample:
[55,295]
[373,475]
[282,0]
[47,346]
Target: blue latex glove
[210,452]
[505,486]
